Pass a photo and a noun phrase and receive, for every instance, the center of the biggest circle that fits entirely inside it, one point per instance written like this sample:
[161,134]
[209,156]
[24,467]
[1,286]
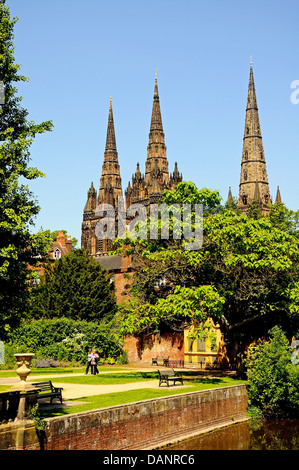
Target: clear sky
[78,54]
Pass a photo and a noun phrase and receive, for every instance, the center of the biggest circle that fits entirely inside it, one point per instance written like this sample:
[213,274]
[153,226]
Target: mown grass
[121,398]
[56,370]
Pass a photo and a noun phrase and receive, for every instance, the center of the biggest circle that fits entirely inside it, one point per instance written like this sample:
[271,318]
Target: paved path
[75,391]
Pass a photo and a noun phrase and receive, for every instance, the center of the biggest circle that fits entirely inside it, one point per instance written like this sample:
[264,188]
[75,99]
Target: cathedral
[147,188]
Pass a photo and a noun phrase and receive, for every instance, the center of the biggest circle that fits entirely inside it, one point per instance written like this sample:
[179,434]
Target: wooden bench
[47,389]
[169,375]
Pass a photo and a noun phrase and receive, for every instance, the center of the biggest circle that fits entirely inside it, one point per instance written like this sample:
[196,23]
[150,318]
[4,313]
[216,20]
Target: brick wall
[155,422]
[142,349]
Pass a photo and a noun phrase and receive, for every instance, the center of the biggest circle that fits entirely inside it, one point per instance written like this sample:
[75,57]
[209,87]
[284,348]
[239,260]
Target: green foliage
[186,306]
[273,382]
[188,193]
[18,246]
[40,424]
[76,287]
[250,261]
[63,339]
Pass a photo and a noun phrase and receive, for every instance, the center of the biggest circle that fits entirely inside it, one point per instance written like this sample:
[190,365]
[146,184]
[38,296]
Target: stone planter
[23,370]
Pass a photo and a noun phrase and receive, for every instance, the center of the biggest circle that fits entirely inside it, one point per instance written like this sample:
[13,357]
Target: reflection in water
[249,435]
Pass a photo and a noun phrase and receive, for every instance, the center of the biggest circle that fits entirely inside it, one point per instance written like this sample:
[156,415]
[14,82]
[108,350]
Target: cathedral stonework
[254,184]
[145,189]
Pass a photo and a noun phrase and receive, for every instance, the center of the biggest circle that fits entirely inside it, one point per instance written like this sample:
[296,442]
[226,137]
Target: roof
[110,263]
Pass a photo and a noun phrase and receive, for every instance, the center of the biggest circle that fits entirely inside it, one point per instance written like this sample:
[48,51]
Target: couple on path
[92,361]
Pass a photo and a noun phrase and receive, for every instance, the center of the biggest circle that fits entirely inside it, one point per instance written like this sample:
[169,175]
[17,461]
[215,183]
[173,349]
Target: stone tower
[147,189]
[110,189]
[254,184]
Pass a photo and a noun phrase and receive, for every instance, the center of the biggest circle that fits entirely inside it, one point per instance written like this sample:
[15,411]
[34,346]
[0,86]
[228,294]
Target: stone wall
[155,422]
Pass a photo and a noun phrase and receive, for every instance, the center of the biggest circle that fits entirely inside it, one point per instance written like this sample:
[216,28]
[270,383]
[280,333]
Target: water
[249,435]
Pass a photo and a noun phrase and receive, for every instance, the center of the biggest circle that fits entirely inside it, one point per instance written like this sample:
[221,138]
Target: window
[160,282]
[201,345]
[57,253]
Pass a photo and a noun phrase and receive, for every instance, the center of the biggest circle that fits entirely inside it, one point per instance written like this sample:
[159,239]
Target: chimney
[61,238]
[69,243]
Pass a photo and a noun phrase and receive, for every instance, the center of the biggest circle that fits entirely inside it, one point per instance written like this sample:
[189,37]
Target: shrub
[45,362]
[273,382]
[63,339]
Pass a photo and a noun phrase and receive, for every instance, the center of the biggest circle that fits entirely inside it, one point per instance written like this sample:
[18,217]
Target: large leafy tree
[246,274]
[76,287]
[18,246]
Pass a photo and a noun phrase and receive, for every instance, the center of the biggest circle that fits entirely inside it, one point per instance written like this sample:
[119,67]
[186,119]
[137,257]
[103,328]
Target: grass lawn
[107,379]
[120,398]
[58,370]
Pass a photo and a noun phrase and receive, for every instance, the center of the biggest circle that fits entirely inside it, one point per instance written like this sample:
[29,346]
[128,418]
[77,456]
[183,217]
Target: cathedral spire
[230,196]
[254,179]
[156,122]
[156,150]
[278,195]
[110,139]
[110,184]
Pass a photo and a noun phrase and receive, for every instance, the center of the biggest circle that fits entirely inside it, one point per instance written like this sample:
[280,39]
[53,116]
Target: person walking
[94,362]
[89,359]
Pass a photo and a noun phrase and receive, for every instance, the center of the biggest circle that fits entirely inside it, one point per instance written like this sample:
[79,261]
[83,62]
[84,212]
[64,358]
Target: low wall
[155,422]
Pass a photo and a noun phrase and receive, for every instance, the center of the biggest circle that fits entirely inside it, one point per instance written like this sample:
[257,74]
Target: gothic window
[247,130]
[244,199]
[57,253]
[245,175]
[266,198]
[190,344]
[246,155]
[262,156]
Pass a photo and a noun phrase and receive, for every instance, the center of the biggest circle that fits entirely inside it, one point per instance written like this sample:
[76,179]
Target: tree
[273,381]
[74,286]
[250,261]
[18,247]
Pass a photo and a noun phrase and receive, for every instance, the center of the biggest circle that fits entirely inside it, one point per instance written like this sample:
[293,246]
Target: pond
[249,435]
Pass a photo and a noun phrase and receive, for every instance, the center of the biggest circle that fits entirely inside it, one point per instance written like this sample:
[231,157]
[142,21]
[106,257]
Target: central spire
[110,184]
[110,139]
[156,150]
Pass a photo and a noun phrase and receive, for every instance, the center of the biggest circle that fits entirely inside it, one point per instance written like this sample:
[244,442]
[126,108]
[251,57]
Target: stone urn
[23,370]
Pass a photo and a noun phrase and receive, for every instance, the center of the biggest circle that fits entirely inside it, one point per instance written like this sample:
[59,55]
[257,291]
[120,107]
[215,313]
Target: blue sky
[78,54]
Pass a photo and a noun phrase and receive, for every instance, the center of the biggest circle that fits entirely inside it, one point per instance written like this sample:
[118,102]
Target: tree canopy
[245,276]
[74,286]
[18,246]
